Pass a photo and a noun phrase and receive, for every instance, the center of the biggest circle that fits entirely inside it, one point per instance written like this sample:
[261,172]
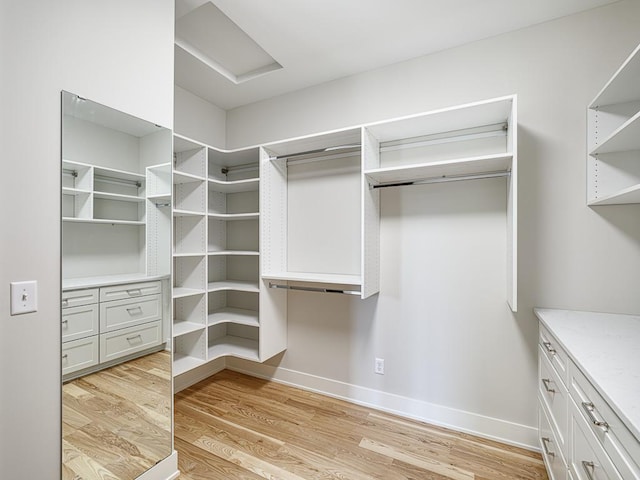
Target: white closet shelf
[234,346]
[234,252]
[188,254]
[234,216]
[182,327]
[119,174]
[74,191]
[238,316]
[236,186]
[187,213]
[103,221]
[119,197]
[332,278]
[184,363]
[626,137]
[180,292]
[106,280]
[181,177]
[160,196]
[238,285]
[624,196]
[623,86]
[463,166]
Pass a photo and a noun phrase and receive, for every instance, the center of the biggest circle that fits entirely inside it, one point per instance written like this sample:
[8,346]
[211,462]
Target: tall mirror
[116,262]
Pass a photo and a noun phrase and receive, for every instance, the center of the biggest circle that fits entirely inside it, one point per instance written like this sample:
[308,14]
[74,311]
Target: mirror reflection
[116,246]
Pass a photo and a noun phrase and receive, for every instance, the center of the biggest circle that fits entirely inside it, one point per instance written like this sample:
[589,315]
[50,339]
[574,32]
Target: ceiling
[236,52]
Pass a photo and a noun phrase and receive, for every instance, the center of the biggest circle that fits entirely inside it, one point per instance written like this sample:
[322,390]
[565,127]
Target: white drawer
[79,322]
[554,395]
[79,354]
[554,353]
[127,313]
[605,425]
[130,290]
[553,458]
[587,458]
[73,298]
[129,340]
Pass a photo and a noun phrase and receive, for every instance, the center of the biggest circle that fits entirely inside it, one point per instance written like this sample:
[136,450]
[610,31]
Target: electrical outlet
[379,366]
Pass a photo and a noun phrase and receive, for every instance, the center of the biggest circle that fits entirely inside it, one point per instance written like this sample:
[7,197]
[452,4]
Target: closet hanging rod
[443,179]
[118,181]
[316,151]
[166,204]
[247,167]
[73,173]
[315,289]
[473,133]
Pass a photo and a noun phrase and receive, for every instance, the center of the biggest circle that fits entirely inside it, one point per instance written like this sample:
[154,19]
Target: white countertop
[106,280]
[606,347]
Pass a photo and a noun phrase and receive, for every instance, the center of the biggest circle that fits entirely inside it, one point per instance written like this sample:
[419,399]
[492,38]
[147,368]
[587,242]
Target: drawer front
[130,340]
[587,458]
[79,354]
[74,298]
[79,322]
[553,394]
[127,313]
[554,353]
[612,435]
[130,290]
[551,453]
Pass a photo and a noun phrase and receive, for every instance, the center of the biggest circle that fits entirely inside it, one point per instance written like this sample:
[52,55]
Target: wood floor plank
[243,427]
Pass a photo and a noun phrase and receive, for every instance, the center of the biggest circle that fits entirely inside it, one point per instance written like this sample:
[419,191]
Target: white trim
[480,425]
[166,469]
[191,377]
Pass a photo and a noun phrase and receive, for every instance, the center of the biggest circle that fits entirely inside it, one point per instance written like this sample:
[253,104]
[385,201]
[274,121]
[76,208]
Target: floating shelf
[238,316]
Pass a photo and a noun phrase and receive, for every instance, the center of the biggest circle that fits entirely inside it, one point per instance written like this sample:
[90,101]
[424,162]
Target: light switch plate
[24,297]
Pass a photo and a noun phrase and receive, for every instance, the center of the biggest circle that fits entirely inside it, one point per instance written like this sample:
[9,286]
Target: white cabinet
[613,138]
[105,324]
[586,430]
[216,257]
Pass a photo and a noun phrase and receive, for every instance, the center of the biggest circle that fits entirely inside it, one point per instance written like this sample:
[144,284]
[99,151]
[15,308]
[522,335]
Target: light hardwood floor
[116,423]
[232,426]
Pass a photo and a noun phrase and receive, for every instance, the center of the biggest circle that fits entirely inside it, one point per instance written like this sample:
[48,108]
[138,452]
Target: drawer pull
[590,409]
[549,348]
[65,356]
[546,382]
[135,310]
[65,302]
[134,292]
[545,442]
[65,321]
[589,468]
[134,336]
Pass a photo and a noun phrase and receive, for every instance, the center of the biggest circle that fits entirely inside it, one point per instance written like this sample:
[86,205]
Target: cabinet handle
[65,302]
[549,348]
[135,336]
[65,356]
[546,382]
[545,442]
[589,468]
[135,310]
[65,321]
[590,408]
[136,292]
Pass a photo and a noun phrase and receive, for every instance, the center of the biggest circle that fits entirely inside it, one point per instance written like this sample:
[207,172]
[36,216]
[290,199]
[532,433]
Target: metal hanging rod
[73,173]
[336,148]
[314,289]
[118,181]
[443,179]
[247,167]
[166,204]
[485,131]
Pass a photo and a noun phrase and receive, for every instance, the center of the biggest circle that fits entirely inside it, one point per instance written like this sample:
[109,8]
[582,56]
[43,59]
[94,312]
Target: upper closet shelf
[626,137]
[104,221]
[481,165]
[623,86]
[332,278]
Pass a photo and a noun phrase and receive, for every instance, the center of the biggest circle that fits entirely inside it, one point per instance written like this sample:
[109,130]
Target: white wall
[453,353]
[102,51]
[198,119]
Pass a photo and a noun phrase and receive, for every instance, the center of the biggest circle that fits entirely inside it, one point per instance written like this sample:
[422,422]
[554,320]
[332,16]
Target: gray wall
[448,344]
[100,50]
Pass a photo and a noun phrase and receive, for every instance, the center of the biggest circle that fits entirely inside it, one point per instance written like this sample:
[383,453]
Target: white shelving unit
[217,288]
[613,138]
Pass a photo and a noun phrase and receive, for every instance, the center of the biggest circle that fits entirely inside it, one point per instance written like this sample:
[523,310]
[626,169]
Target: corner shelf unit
[613,138]
[216,289]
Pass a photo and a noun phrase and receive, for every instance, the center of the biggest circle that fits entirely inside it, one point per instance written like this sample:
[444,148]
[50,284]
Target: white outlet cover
[24,297]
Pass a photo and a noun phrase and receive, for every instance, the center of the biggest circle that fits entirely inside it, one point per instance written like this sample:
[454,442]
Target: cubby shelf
[622,197]
[626,137]
[139,223]
[181,292]
[236,346]
[237,285]
[237,186]
[229,217]
[181,177]
[234,252]
[239,316]
[118,197]
[330,278]
[185,363]
[623,86]
[183,328]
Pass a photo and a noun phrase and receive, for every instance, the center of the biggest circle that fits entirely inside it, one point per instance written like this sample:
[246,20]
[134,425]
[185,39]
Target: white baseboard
[198,374]
[487,427]
[166,469]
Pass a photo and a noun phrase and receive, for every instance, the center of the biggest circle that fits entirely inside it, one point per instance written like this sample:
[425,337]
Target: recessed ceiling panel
[213,38]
